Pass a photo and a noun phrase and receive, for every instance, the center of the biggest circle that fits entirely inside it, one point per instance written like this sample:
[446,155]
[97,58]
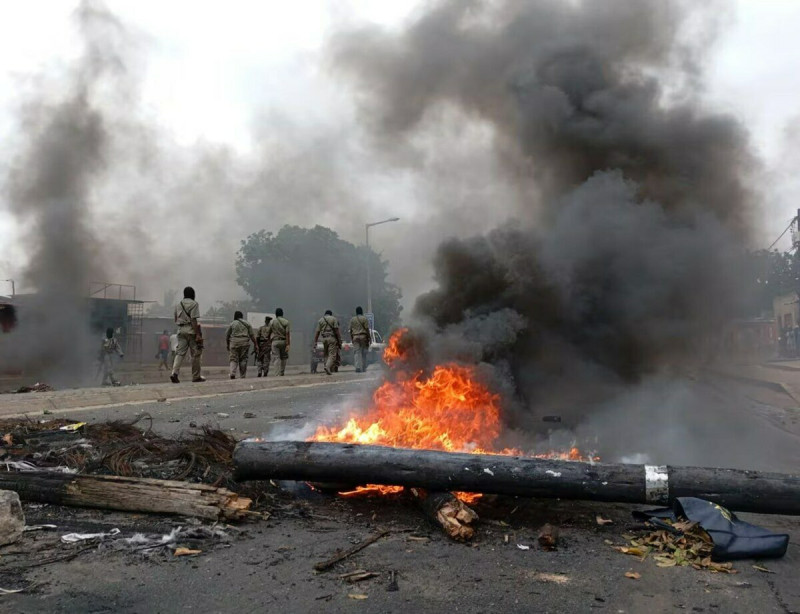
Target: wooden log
[448,512]
[739,490]
[127,494]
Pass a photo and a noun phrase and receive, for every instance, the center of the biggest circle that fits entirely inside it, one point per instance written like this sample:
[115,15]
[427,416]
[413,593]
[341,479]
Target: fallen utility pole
[740,490]
[127,494]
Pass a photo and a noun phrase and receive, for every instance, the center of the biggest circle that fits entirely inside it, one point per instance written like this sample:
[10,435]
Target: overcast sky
[213,68]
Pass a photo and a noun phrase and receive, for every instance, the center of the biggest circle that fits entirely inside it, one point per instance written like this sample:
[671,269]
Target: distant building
[787,311]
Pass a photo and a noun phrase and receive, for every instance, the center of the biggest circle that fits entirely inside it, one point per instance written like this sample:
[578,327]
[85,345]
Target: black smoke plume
[635,201]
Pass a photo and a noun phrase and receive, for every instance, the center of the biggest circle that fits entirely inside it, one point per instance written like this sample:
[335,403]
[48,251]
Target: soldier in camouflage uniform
[279,332]
[190,336]
[237,340]
[109,347]
[264,348]
[328,329]
[360,335]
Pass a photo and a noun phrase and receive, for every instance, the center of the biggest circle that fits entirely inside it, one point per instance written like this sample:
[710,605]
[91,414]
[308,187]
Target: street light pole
[369,276]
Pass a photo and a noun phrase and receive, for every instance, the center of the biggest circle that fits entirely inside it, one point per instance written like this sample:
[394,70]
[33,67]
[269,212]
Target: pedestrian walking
[360,336]
[173,347]
[163,351]
[109,349]
[237,341]
[264,348]
[328,329]
[190,336]
[280,333]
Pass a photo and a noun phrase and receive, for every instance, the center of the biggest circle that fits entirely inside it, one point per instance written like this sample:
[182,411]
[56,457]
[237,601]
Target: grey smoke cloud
[49,189]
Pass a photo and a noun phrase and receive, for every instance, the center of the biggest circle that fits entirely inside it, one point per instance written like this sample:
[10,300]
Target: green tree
[308,270]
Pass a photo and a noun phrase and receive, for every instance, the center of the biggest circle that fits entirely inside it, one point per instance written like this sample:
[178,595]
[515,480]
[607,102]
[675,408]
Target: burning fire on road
[447,408]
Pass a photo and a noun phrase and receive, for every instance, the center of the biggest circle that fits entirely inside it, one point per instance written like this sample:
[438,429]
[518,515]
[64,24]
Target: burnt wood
[448,512]
[740,490]
[127,494]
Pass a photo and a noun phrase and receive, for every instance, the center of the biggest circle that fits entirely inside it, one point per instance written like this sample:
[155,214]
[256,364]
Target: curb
[88,398]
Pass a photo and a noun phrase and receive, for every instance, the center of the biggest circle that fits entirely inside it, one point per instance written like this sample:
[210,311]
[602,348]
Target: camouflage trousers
[330,347]
[238,356]
[187,343]
[279,353]
[264,358]
[360,347]
[108,370]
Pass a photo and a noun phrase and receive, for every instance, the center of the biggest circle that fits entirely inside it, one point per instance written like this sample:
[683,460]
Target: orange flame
[449,410]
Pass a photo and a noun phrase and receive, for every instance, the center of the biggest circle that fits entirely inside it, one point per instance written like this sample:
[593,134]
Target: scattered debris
[37,387]
[39,527]
[684,543]
[548,537]
[186,552]
[340,556]
[603,521]
[248,414]
[392,586]
[523,547]
[222,415]
[161,399]
[554,578]
[72,538]
[72,427]
[633,575]
[762,569]
[12,520]
[357,596]
[448,512]
[358,575]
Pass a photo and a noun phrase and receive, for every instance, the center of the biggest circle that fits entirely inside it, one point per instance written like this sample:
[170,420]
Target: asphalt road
[268,564]
[276,412]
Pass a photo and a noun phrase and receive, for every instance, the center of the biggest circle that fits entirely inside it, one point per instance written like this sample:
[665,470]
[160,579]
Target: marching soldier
[264,348]
[360,336]
[237,341]
[281,339]
[328,329]
[109,347]
[190,336]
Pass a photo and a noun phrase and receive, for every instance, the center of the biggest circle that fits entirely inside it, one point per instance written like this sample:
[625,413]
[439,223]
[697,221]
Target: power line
[783,233]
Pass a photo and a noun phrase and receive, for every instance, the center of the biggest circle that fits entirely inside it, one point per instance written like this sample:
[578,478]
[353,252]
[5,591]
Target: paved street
[268,564]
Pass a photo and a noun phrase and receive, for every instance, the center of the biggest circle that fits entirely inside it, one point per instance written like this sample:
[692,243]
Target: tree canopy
[308,270]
